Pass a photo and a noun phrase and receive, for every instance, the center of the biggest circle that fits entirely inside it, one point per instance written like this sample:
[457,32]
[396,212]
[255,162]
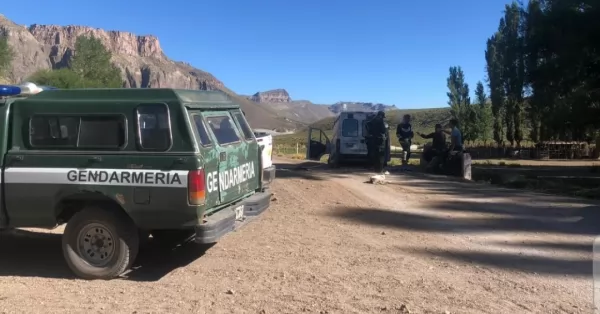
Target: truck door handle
[95,159]
[223,156]
[18,158]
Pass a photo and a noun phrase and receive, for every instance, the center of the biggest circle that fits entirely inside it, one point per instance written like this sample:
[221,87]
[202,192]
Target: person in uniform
[405,135]
[376,140]
[388,148]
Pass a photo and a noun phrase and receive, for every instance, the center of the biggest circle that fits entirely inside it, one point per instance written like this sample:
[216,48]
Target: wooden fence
[543,151]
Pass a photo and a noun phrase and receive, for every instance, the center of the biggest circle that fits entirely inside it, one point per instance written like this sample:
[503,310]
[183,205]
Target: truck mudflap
[268,176]
[232,218]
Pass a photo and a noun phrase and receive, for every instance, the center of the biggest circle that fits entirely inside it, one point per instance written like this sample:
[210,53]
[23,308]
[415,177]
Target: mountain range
[143,64]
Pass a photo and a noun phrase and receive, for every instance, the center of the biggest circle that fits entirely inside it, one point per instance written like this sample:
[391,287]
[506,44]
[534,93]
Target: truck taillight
[196,187]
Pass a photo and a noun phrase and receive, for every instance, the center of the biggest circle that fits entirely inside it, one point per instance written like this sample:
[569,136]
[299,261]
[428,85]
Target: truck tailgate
[266,142]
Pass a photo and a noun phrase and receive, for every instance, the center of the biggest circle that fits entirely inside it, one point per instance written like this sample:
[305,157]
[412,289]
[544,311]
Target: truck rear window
[102,132]
[154,129]
[248,134]
[201,129]
[350,128]
[78,132]
[223,129]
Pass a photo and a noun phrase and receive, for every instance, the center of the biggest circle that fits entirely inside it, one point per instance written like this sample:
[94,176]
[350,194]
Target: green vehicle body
[49,178]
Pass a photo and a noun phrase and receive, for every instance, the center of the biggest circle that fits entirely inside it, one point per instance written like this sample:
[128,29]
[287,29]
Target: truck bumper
[224,221]
[268,176]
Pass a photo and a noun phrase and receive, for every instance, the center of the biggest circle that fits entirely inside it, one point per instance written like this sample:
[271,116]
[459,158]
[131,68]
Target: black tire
[121,239]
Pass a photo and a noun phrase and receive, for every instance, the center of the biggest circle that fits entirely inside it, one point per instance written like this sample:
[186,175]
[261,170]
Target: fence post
[297,152]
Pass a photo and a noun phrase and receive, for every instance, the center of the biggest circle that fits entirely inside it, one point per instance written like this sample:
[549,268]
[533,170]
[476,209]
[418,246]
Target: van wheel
[99,243]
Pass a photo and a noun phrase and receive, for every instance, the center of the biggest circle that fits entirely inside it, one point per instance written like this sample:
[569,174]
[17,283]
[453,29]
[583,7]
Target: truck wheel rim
[95,244]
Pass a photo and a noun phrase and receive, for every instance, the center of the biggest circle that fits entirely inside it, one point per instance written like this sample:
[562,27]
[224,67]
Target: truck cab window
[154,129]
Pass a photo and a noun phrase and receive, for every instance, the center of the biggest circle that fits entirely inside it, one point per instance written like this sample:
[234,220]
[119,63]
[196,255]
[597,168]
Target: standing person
[438,146]
[376,140]
[405,134]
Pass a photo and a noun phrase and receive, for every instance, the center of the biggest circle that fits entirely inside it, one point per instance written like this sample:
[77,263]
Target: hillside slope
[305,111]
[279,101]
[141,59]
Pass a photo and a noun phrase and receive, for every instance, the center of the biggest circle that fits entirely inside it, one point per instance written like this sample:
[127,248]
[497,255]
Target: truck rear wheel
[99,243]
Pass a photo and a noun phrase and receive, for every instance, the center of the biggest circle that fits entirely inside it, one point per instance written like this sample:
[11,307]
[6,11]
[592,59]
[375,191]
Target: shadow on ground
[313,171]
[507,217]
[541,170]
[439,184]
[304,170]
[563,246]
[516,262]
[582,222]
[33,254]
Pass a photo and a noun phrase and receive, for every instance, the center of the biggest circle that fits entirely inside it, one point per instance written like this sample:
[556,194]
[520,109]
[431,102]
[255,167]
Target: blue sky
[388,51]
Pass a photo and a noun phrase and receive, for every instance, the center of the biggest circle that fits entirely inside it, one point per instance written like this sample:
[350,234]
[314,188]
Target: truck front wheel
[100,243]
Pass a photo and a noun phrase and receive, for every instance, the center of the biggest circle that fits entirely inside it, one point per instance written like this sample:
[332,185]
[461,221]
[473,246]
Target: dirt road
[331,243]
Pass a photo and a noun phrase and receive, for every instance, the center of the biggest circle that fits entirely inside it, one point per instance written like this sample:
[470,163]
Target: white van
[348,141]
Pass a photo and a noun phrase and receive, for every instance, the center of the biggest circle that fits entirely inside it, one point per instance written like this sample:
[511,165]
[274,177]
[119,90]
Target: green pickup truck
[119,165]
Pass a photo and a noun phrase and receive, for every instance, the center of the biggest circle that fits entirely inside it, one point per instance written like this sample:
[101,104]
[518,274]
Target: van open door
[317,145]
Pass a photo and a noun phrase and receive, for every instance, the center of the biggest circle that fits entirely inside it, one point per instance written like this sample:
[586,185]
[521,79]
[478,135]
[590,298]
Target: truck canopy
[199,99]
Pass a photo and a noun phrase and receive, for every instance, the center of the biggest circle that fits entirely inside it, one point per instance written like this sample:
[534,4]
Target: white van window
[364,127]
[350,128]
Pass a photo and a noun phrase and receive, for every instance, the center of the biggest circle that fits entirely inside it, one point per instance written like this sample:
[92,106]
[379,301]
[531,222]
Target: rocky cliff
[272,96]
[279,101]
[140,58]
[144,64]
[29,54]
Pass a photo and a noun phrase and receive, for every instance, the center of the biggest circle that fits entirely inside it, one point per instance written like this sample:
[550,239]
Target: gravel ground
[331,243]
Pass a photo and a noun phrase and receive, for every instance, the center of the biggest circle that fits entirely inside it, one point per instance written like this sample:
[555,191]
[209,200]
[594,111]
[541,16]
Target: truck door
[352,141]
[3,145]
[210,157]
[237,155]
[317,145]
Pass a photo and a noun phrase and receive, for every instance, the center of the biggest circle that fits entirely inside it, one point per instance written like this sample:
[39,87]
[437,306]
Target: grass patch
[501,163]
